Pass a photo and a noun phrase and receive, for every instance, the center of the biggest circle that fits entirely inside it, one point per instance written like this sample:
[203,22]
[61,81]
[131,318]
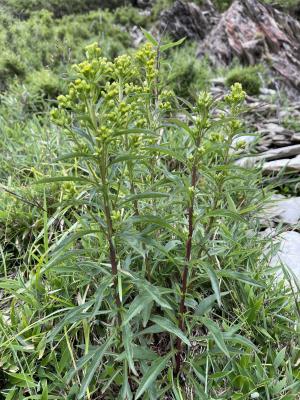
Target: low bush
[150,280]
[129,16]
[11,67]
[185,74]
[24,8]
[45,84]
[42,42]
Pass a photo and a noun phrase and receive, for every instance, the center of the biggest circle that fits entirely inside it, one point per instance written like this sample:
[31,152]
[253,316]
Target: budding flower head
[241,144]
[92,51]
[201,151]
[235,125]
[204,101]
[237,95]
[216,137]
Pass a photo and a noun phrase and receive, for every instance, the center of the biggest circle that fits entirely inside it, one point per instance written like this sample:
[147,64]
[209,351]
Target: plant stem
[188,251]
[110,233]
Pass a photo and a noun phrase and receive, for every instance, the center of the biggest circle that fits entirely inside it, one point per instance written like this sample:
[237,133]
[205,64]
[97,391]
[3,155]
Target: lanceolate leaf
[127,340]
[145,195]
[94,364]
[214,283]
[140,302]
[206,304]
[149,37]
[172,44]
[239,276]
[169,326]
[217,334]
[152,373]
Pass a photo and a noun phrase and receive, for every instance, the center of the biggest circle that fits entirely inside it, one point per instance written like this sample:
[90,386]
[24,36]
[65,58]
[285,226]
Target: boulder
[187,20]
[288,254]
[288,164]
[254,32]
[282,210]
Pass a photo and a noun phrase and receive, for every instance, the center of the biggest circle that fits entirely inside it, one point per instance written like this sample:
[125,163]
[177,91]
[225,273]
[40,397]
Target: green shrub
[148,281]
[128,16]
[24,8]
[45,84]
[247,76]
[184,73]
[43,42]
[11,66]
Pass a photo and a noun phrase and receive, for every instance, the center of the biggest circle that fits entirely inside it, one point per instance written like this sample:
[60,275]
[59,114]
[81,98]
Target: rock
[187,20]
[282,152]
[144,3]
[254,32]
[288,254]
[273,128]
[137,36]
[289,164]
[296,137]
[282,209]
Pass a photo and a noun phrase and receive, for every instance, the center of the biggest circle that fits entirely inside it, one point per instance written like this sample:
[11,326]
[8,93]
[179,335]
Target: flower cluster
[106,96]
[146,55]
[236,95]
[204,102]
[165,99]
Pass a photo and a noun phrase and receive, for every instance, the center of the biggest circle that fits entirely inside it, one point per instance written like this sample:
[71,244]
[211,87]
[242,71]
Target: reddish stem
[188,251]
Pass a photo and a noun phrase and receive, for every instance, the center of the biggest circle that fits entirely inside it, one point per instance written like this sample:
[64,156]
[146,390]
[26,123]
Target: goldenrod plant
[148,278]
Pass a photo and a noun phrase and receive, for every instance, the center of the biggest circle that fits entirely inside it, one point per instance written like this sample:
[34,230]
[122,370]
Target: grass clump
[43,43]
[248,77]
[147,277]
[185,74]
[25,8]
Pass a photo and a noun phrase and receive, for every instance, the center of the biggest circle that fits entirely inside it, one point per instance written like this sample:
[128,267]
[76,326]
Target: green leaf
[172,44]
[65,179]
[75,155]
[149,37]
[125,390]
[152,373]
[128,157]
[169,326]
[230,202]
[77,313]
[21,380]
[239,276]
[214,283]
[181,124]
[127,341]
[137,305]
[279,358]
[153,219]
[226,214]
[134,131]
[207,303]
[91,370]
[164,150]
[217,334]
[145,195]
[156,296]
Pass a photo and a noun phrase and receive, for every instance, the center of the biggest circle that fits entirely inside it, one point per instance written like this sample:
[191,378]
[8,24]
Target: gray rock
[282,152]
[288,253]
[273,128]
[290,164]
[296,137]
[254,32]
[187,20]
[283,209]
